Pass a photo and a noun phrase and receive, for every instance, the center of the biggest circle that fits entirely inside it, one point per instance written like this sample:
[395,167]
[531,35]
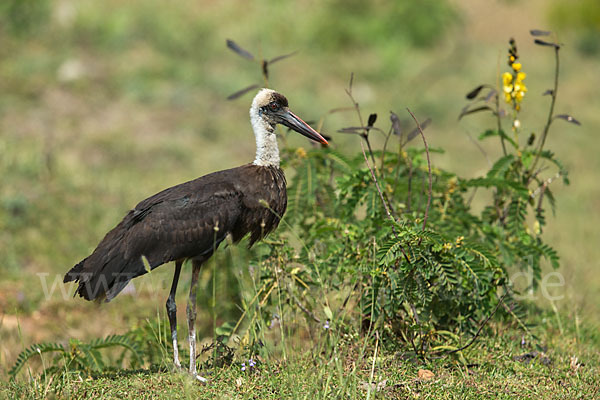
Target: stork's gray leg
[191,314]
[172,313]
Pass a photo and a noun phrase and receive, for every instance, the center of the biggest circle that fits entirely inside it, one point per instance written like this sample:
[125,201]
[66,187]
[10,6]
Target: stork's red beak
[294,122]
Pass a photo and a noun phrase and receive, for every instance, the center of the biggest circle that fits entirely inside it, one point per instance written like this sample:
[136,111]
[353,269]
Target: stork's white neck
[267,152]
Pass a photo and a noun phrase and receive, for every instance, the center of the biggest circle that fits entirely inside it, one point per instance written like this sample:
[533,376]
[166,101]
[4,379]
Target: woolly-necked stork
[190,220]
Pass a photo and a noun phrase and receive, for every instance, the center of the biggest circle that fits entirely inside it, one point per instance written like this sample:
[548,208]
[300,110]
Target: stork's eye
[273,106]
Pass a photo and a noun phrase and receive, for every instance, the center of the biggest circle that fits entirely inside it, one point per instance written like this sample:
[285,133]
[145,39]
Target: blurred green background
[105,103]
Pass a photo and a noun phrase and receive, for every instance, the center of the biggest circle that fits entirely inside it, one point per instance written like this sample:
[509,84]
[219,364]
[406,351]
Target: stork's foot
[199,378]
[176,363]
[177,366]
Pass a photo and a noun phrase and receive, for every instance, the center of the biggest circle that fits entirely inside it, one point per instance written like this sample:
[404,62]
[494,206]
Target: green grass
[147,110]
[496,366]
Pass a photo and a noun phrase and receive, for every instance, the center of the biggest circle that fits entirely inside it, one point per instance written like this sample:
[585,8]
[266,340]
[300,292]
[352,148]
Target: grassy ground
[109,103]
[563,365]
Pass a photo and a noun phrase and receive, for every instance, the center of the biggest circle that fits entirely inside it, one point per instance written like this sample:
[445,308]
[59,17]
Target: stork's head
[270,108]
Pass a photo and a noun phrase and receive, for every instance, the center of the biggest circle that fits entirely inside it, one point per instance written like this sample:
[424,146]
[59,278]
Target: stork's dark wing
[184,221]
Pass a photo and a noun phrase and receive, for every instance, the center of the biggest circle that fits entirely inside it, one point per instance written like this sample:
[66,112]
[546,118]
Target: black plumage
[187,221]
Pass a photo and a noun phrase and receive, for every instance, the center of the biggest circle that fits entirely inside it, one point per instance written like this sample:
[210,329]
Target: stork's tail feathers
[75,272]
[98,286]
[84,289]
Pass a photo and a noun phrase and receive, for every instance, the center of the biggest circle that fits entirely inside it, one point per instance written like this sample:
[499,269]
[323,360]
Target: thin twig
[499,127]
[428,166]
[354,103]
[356,106]
[385,204]
[541,199]
[373,365]
[484,323]
[387,138]
[521,324]
[543,186]
[366,137]
[306,310]
[480,148]
[472,196]
[497,98]
[551,112]
[390,205]
[382,171]
[409,184]
[349,295]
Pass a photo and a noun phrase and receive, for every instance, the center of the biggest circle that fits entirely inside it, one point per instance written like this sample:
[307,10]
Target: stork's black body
[190,220]
[187,221]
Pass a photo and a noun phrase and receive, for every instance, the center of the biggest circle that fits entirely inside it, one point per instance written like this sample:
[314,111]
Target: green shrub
[384,241]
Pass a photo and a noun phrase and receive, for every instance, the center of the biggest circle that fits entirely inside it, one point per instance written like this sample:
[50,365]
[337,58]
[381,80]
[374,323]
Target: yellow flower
[300,152]
[513,86]
[537,228]
[452,184]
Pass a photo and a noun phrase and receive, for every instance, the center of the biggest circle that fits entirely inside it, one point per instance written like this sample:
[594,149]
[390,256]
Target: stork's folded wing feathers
[187,220]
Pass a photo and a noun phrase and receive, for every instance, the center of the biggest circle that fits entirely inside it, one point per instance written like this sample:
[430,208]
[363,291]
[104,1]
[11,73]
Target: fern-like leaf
[501,166]
[34,350]
[117,340]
